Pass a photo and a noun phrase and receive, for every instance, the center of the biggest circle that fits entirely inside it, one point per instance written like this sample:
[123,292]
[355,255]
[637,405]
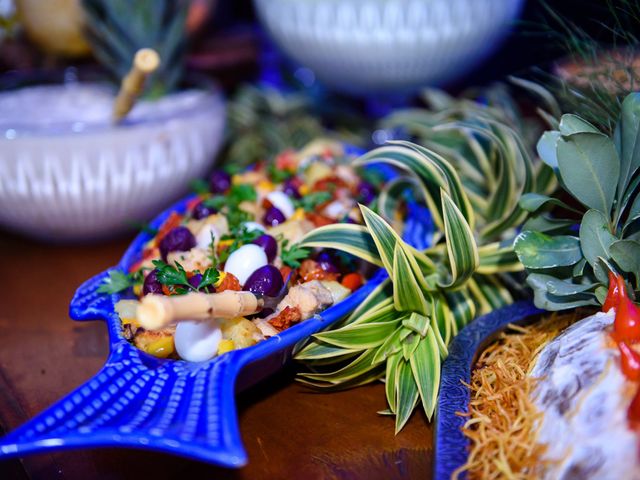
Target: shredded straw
[503,420]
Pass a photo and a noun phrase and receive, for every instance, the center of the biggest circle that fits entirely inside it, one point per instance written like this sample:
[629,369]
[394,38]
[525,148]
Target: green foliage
[470,171]
[117,29]
[601,173]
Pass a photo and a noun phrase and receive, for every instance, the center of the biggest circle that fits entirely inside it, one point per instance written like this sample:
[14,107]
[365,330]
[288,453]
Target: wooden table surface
[288,430]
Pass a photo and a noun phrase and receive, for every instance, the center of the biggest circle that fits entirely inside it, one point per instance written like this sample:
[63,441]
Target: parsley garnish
[200,186]
[312,200]
[241,193]
[176,277]
[291,256]
[278,175]
[117,282]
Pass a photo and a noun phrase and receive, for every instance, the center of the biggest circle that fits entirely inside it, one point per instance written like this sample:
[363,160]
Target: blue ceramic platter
[451,446]
[177,407]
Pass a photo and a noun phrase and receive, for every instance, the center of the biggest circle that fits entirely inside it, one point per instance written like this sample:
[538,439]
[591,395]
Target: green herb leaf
[209,277]
[311,201]
[172,276]
[200,186]
[243,193]
[116,282]
[590,168]
[291,256]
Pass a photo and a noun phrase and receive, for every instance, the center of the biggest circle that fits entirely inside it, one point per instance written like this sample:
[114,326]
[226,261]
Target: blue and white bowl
[367,46]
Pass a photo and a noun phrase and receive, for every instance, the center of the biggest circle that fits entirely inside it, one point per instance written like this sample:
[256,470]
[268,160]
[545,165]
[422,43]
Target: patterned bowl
[77,181]
[182,408]
[365,46]
[451,446]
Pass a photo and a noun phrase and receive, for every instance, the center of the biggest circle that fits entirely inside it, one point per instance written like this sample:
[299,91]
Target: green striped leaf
[453,184]
[418,323]
[360,366]
[425,367]
[391,380]
[319,350]
[461,246]
[353,239]
[496,257]
[378,298]
[361,336]
[390,346]
[407,394]
[407,294]
[462,307]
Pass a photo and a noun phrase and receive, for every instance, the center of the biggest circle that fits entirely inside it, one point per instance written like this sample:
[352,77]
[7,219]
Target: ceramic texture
[78,186]
[183,408]
[451,446]
[366,46]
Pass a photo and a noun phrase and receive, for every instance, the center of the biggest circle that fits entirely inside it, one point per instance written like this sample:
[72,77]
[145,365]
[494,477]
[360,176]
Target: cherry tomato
[352,281]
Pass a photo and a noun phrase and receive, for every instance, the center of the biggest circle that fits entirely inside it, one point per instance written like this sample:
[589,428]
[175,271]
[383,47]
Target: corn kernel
[130,321]
[304,190]
[225,346]
[137,290]
[220,279]
[298,214]
[160,348]
[265,185]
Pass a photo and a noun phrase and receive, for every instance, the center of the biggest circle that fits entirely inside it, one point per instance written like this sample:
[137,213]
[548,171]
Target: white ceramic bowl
[367,46]
[70,182]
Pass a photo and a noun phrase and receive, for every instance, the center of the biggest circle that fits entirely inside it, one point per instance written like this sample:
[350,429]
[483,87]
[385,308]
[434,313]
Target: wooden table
[289,431]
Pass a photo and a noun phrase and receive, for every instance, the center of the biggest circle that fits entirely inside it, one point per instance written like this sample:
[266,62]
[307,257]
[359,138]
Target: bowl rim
[15,80]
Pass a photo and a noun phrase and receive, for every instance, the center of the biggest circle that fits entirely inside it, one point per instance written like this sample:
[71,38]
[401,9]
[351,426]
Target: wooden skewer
[156,312]
[145,62]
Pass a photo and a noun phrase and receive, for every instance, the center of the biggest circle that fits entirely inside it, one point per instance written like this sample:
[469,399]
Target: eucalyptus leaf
[537,250]
[570,124]
[532,202]
[547,301]
[628,131]
[547,148]
[558,287]
[626,254]
[595,237]
[546,224]
[589,167]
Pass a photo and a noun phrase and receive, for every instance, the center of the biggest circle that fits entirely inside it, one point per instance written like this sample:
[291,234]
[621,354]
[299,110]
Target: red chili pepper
[630,362]
[626,327]
[633,414]
[617,289]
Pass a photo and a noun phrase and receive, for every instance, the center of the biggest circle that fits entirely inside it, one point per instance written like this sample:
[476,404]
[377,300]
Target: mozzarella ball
[204,236]
[253,226]
[197,341]
[244,261]
[282,202]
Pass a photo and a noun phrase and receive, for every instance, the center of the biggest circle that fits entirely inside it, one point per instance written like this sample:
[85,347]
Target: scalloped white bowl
[65,185]
[368,46]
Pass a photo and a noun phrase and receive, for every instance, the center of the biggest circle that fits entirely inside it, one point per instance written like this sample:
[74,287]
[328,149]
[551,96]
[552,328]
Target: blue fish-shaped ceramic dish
[177,407]
[451,446]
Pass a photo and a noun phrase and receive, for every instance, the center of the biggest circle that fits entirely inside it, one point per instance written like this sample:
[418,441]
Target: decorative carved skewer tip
[145,62]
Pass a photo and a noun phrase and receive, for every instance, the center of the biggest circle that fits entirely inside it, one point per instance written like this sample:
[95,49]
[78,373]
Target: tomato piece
[626,327]
[229,282]
[617,290]
[630,361]
[352,281]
